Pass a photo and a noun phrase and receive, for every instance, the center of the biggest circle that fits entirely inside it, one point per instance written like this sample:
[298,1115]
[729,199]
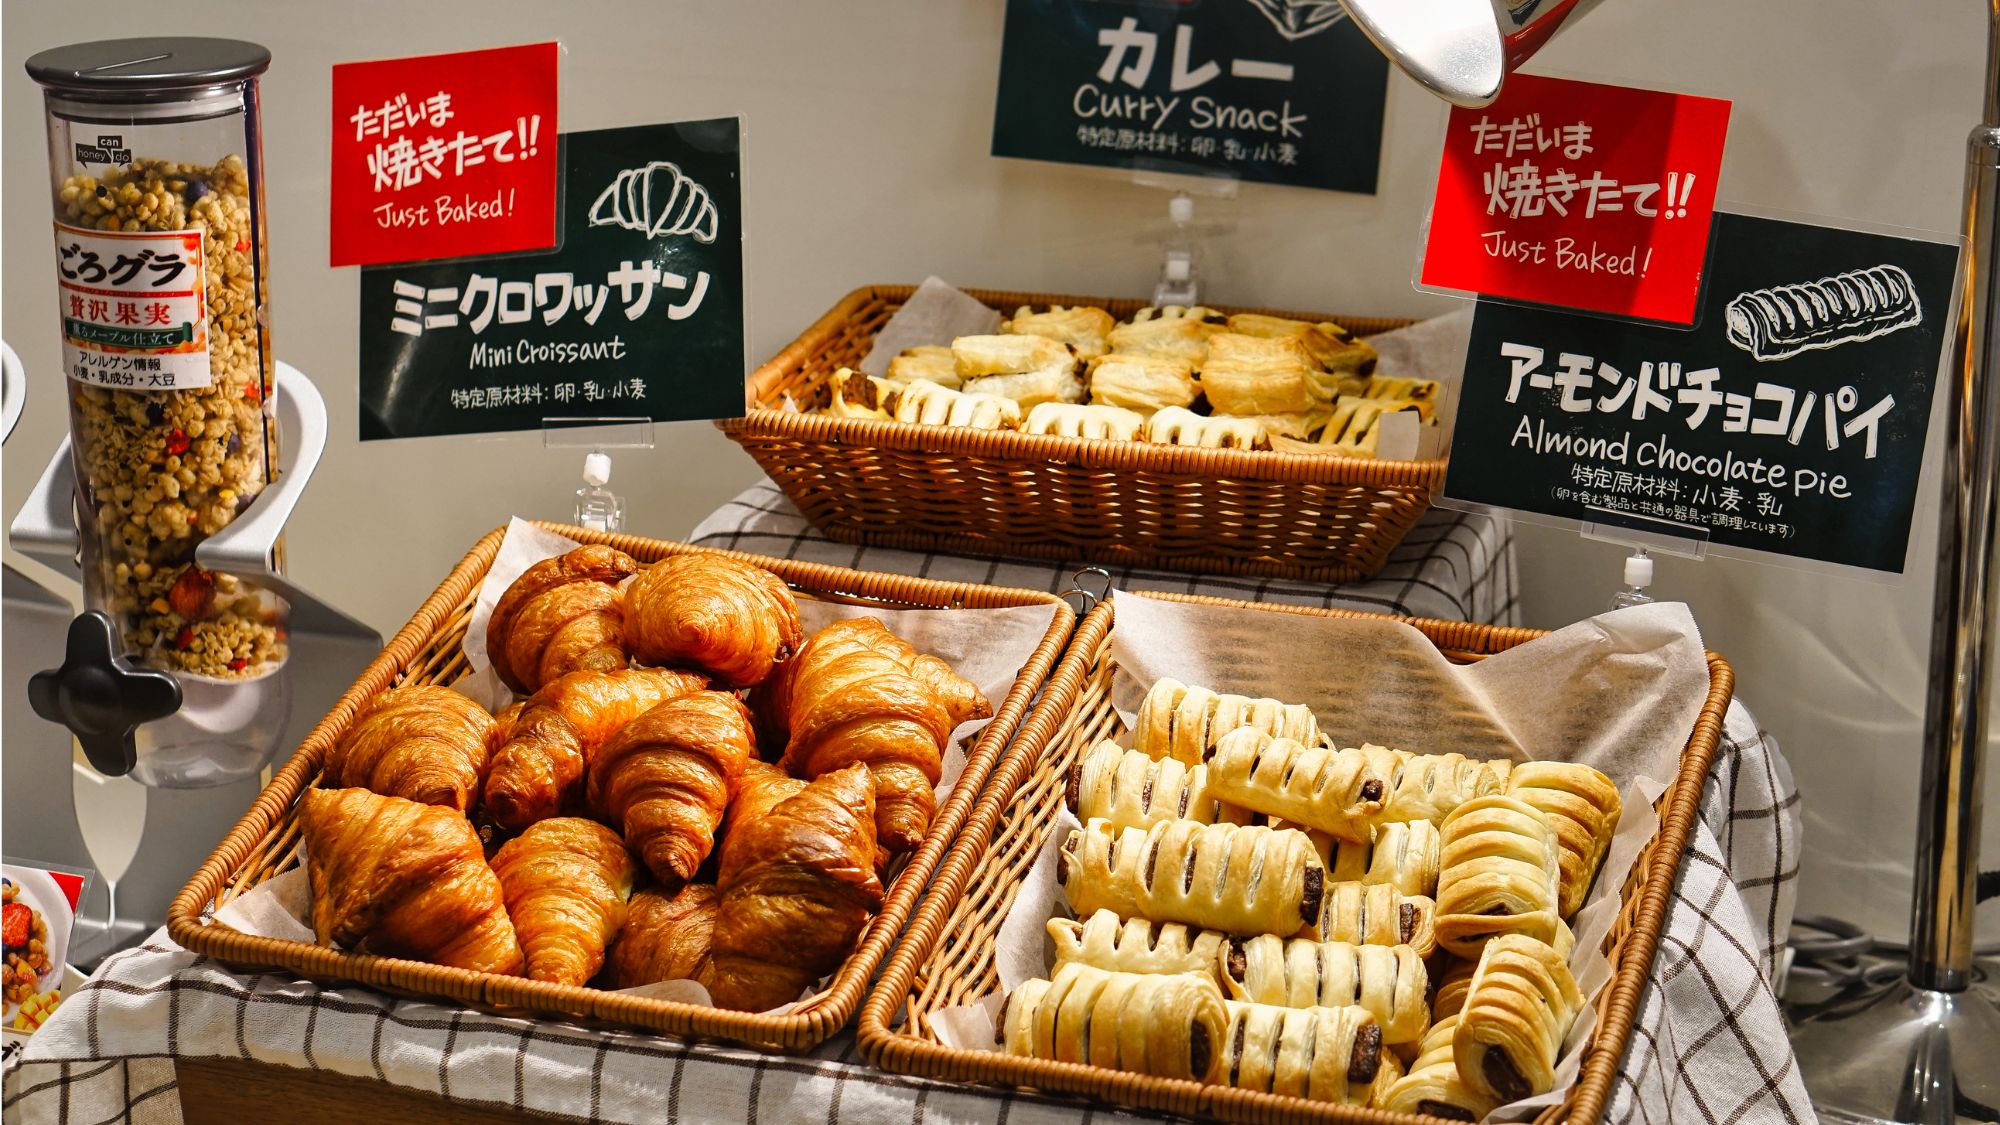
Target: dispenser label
[134,308]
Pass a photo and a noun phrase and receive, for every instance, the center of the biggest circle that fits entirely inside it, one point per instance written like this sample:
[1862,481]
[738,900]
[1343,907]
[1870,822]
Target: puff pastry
[933,405]
[1184,723]
[1403,854]
[1432,1086]
[1168,1025]
[848,393]
[1430,786]
[1377,914]
[1175,426]
[1142,383]
[706,610]
[423,742]
[566,881]
[1320,1054]
[981,356]
[1284,428]
[1030,388]
[1237,879]
[1452,985]
[929,362]
[1173,332]
[1332,347]
[1066,420]
[562,615]
[1499,875]
[1517,1012]
[1135,945]
[1340,792]
[1582,808]
[1131,790]
[1388,981]
[1082,327]
[666,937]
[1250,375]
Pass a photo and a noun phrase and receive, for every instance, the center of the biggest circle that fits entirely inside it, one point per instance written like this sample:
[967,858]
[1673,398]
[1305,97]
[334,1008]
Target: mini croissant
[562,615]
[566,880]
[424,743]
[666,777]
[665,937]
[727,618]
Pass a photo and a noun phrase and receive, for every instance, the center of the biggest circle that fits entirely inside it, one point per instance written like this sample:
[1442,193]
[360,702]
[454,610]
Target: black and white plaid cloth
[1709,1047]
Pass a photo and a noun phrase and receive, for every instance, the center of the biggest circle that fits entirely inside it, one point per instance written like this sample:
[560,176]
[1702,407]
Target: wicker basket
[428,650]
[941,488]
[946,957]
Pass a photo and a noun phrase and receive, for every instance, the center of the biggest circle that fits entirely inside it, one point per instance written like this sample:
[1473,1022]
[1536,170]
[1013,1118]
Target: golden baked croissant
[1082,327]
[796,886]
[1582,808]
[426,743]
[666,937]
[1432,1086]
[562,615]
[1068,420]
[1171,1025]
[664,780]
[933,404]
[1237,879]
[1142,383]
[1377,914]
[1340,792]
[1499,875]
[858,693]
[1517,1012]
[1172,332]
[1320,1054]
[538,773]
[1135,945]
[566,881]
[931,363]
[1184,723]
[729,619]
[1249,375]
[403,879]
[1131,790]
[1175,426]
[1387,980]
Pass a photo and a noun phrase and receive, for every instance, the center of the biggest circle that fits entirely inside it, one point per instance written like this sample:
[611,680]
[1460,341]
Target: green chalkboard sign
[636,313]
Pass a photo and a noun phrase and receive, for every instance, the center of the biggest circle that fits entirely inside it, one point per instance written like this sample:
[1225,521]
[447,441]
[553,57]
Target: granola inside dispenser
[158,196]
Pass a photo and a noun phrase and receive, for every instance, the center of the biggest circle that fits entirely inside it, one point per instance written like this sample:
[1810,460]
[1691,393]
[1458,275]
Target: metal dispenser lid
[129,68]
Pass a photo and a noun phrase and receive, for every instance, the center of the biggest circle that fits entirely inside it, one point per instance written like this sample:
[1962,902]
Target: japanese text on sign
[548,297]
[133,308]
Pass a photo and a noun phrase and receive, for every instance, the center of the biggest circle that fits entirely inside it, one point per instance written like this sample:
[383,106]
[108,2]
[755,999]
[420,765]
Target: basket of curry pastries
[1376,891]
[1212,440]
[619,779]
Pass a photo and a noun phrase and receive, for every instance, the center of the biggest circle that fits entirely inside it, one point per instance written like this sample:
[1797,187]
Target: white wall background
[867,126]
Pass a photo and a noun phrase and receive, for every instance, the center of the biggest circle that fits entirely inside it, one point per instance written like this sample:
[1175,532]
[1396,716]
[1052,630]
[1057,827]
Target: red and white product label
[134,308]
[1579,195]
[444,156]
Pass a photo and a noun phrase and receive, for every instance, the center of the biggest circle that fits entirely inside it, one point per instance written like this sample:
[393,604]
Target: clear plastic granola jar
[155,157]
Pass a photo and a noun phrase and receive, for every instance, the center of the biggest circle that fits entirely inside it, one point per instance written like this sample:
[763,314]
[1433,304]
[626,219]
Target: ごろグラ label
[134,308]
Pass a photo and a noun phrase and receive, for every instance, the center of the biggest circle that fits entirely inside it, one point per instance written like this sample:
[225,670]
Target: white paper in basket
[937,313]
[1619,692]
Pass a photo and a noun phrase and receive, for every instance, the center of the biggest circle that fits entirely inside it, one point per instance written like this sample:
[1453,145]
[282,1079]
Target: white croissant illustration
[659,199]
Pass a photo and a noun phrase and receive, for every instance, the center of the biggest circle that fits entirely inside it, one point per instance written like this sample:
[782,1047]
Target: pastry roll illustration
[1175,426]
[1135,945]
[1581,807]
[1142,383]
[935,405]
[1082,327]
[1340,792]
[1133,790]
[1320,1054]
[1499,876]
[1517,1012]
[1783,320]
[1184,723]
[1389,981]
[1067,420]
[1172,332]
[1377,914]
[930,362]
[1167,1025]
[1237,879]
[1433,1086]
[1403,854]
[658,199]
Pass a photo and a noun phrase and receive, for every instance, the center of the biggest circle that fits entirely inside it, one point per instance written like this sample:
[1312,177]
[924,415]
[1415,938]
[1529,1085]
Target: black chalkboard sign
[1276,91]
[636,313]
[1791,419]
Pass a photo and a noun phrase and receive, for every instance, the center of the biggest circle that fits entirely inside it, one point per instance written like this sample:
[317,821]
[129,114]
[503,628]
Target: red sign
[1580,195]
[444,156]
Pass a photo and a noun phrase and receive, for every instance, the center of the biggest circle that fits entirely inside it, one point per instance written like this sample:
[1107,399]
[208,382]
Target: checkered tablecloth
[1709,1045]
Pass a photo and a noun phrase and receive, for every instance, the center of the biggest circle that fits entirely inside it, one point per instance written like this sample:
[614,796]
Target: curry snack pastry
[933,405]
[1184,722]
[1083,328]
[1130,789]
[1432,1086]
[1498,875]
[425,743]
[1389,981]
[1377,914]
[404,879]
[1238,879]
[1173,332]
[1027,369]
[539,772]
[1251,375]
[1169,1025]
[1338,791]
[858,693]
[566,881]
[1175,426]
[795,887]
[731,620]
[1518,1010]
[1134,945]
[563,614]
[1320,1054]
[848,393]
[932,363]
[1581,806]
[665,779]
[1141,383]
[1067,420]
[665,937]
